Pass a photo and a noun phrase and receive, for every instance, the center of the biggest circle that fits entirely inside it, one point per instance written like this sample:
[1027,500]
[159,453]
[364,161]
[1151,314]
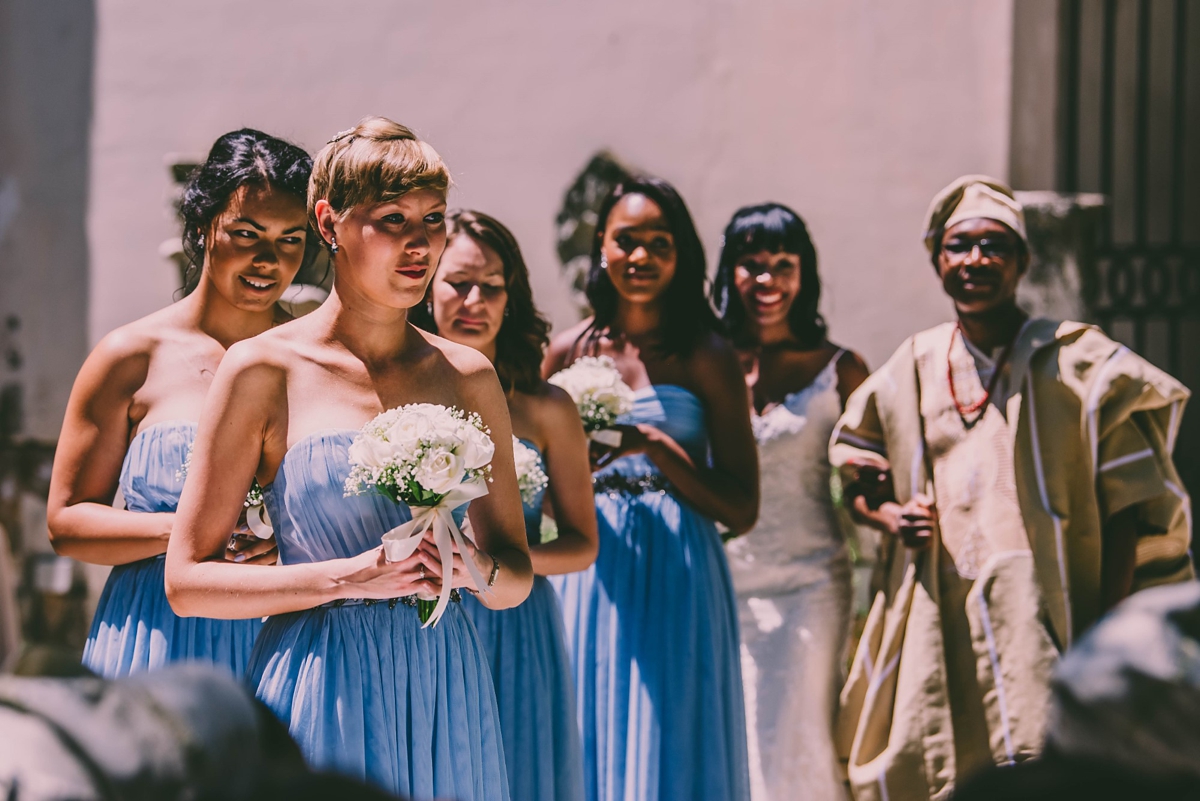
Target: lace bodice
[797,533]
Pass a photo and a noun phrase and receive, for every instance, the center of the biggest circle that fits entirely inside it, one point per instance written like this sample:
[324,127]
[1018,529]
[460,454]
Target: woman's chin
[640,293]
[472,337]
[256,303]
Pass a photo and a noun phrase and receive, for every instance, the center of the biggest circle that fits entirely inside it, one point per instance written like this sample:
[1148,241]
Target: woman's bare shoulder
[562,343]
[446,363]
[852,371]
[133,345]
[715,357]
[271,353]
[551,402]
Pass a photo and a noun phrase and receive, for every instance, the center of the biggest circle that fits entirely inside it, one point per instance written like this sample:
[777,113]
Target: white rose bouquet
[600,394]
[434,459]
[257,518]
[531,478]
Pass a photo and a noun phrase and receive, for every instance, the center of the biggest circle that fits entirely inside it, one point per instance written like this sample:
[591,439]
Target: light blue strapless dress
[363,688]
[532,675]
[134,628]
[653,633]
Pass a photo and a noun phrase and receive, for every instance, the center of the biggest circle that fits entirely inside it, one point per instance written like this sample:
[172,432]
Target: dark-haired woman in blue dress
[133,410]
[481,297]
[652,625]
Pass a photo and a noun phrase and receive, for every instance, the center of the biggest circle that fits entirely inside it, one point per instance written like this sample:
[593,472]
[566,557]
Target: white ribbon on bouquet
[402,541]
[606,436]
[259,521]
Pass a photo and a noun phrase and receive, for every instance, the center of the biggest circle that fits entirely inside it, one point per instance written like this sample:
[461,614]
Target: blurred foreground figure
[1129,692]
[1124,721]
[1023,470]
[185,731]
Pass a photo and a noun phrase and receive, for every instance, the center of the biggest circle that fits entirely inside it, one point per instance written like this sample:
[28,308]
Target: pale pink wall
[854,112]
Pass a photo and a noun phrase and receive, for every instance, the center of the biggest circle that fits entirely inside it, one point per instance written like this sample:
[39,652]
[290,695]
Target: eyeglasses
[989,247]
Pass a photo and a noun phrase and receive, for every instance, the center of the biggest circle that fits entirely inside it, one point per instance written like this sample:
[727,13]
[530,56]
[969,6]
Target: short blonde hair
[375,161]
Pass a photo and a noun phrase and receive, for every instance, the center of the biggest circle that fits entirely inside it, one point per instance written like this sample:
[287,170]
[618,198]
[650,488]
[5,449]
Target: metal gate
[1131,131]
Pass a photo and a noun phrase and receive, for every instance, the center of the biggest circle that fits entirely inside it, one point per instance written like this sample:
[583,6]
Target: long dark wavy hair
[239,158]
[524,333]
[775,228]
[686,315]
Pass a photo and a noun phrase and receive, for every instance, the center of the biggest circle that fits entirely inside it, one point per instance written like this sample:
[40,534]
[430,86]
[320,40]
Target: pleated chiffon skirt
[135,629]
[367,692]
[531,672]
[653,635]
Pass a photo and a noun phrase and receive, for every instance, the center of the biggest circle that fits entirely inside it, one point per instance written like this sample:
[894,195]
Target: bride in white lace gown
[791,572]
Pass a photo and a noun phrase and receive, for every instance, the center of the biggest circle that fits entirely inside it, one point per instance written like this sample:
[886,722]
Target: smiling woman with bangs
[343,659]
[131,418]
[792,572]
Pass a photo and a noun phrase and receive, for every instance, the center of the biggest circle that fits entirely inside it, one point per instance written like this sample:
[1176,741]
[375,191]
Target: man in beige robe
[1023,468]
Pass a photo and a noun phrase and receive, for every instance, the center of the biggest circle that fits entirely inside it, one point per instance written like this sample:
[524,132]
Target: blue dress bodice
[153,472]
[676,412]
[314,519]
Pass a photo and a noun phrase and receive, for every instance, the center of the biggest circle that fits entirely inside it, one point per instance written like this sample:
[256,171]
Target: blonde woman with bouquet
[345,660]
[652,626]
[481,298]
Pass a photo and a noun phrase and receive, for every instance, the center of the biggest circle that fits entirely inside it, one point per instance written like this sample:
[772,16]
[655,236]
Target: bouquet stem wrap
[402,542]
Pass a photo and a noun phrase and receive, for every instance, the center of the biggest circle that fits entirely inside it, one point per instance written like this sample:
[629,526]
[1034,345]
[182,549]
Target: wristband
[491,582]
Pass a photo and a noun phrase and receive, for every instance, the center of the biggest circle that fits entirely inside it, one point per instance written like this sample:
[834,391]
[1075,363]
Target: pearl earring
[333,245]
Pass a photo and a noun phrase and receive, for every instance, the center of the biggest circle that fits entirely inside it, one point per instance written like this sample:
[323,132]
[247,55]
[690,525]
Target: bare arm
[243,427]
[496,518]
[561,346]
[852,371]
[570,491]
[87,462]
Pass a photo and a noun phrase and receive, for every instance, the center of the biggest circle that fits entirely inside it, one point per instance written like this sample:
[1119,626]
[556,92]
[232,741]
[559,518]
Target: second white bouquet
[531,478]
[600,395]
[434,459]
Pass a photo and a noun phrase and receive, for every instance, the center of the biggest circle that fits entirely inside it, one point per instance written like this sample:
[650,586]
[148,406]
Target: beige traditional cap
[973,197]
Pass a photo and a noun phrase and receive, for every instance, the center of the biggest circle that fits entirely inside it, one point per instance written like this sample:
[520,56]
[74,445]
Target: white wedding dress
[792,577]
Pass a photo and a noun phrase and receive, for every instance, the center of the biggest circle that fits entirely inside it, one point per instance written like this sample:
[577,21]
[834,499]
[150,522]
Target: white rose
[406,432]
[369,452]
[477,447]
[444,429]
[440,470]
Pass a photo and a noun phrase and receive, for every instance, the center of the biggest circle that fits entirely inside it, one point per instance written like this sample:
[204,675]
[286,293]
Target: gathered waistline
[621,484]
[407,600]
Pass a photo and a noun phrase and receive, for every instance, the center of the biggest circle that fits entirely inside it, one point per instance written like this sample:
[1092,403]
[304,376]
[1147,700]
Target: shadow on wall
[46,69]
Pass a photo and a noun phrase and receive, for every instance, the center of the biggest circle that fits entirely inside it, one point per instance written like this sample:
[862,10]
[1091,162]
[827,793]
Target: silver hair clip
[341,135]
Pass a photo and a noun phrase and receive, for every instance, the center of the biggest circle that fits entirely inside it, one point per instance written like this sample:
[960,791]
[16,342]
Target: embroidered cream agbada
[952,668]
